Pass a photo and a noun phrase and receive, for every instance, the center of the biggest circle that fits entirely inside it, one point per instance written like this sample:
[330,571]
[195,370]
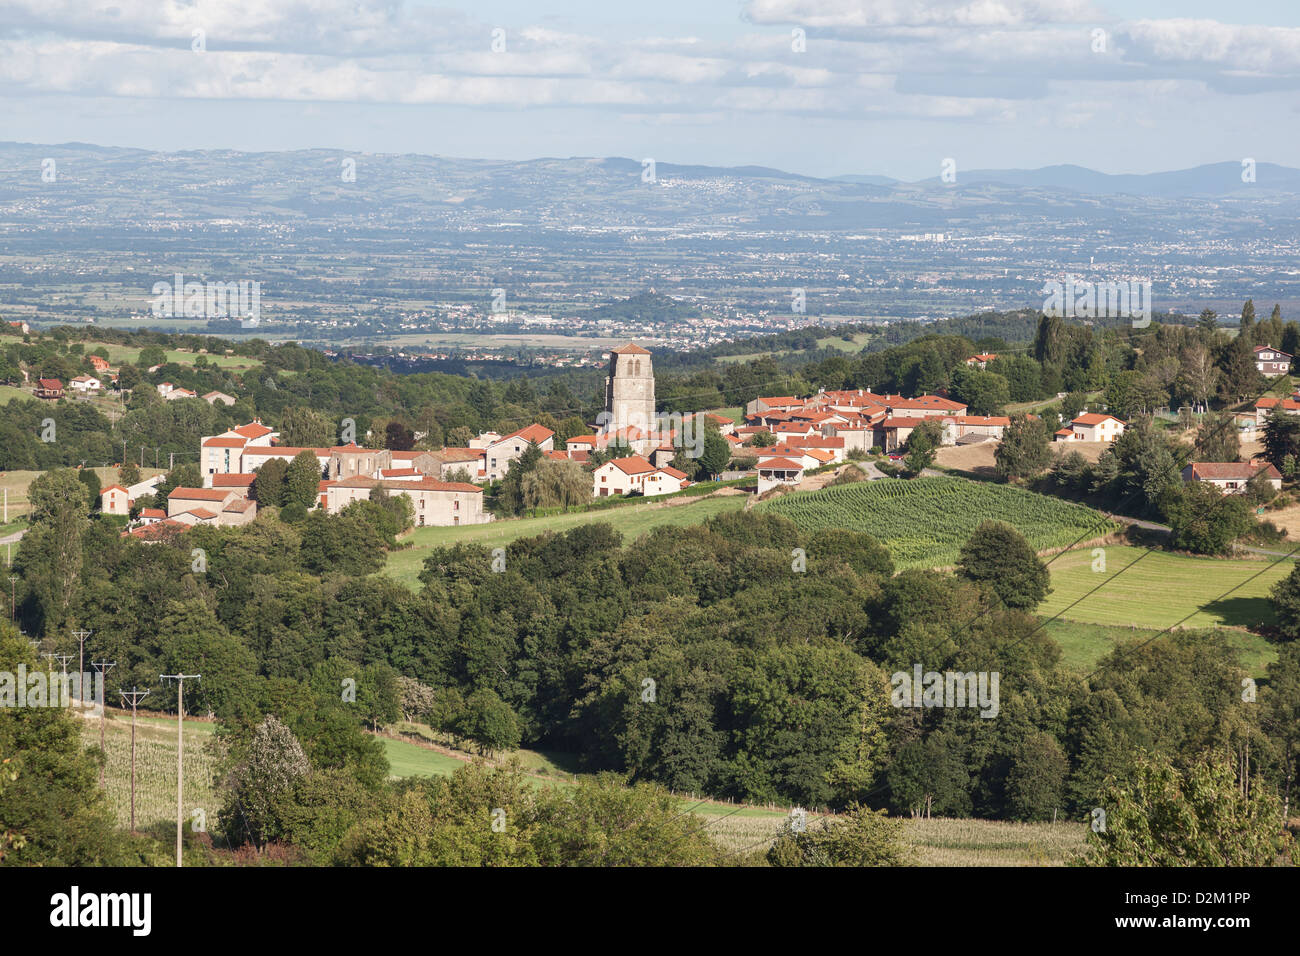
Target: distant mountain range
[1214,179]
[404,192]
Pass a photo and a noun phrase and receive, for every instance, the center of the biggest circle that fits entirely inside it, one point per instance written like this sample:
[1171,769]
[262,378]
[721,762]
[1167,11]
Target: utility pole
[171,460]
[135,696]
[180,748]
[13,599]
[102,667]
[81,636]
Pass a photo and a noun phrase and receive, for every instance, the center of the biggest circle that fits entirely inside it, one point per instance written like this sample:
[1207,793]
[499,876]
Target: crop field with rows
[925,521]
[155,769]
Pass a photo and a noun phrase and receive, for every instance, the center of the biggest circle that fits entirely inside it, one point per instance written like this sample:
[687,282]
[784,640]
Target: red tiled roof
[253,430]
[780,464]
[532,433]
[461,454]
[630,349]
[233,480]
[224,442]
[632,465]
[669,470]
[1093,418]
[198,494]
[1231,471]
[819,442]
[980,420]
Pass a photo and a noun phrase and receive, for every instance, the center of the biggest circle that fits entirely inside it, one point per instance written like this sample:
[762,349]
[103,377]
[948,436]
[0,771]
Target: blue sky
[877,86]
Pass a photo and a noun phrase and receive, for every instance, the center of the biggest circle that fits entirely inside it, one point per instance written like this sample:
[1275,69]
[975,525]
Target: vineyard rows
[925,521]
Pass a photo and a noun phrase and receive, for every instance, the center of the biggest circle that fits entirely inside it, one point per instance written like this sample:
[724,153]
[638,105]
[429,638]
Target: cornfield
[935,842]
[925,521]
[155,771]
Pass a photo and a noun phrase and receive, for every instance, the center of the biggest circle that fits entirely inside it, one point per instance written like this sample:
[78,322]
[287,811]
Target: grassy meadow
[1154,589]
[631,520]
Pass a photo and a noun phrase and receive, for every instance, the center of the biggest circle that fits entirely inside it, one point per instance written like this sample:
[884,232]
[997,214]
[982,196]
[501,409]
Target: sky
[819,87]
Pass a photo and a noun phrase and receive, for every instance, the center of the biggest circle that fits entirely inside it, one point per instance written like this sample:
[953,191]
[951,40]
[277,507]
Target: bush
[862,837]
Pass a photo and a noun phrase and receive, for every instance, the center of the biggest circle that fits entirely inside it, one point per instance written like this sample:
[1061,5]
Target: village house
[48,388]
[725,425]
[86,384]
[220,506]
[664,481]
[967,429]
[213,397]
[433,503]
[1232,477]
[503,451]
[99,364]
[115,500]
[775,472]
[449,461]
[1264,406]
[982,360]
[1271,362]
[774,403]
[634,474]
[1092,427]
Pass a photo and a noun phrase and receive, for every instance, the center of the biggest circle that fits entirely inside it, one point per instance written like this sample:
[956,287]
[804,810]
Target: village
[783,439]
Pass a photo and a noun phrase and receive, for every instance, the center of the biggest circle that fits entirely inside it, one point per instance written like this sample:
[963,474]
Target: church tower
[630,389]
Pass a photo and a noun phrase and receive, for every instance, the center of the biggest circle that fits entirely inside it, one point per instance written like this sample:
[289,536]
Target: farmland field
[1157,590]
[925,521]
[740,831]
[155,768]
[131,354]
[1083,645]
[631,520]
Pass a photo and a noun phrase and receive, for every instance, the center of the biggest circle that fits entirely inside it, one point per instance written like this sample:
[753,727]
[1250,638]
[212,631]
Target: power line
[180,749]
[134,696]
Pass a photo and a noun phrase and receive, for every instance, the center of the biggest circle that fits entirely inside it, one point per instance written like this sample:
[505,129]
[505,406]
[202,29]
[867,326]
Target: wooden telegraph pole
[180,748]
[81,636]
[135,696]
[102,667]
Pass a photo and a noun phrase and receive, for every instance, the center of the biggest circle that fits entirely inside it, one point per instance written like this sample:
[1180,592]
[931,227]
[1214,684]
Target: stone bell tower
[630,389]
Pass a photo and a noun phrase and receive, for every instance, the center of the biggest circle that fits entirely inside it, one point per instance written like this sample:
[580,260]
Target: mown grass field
[131,354]
[1154,589]
[925,521]
[8,393]
[1083,645]
[631,520]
